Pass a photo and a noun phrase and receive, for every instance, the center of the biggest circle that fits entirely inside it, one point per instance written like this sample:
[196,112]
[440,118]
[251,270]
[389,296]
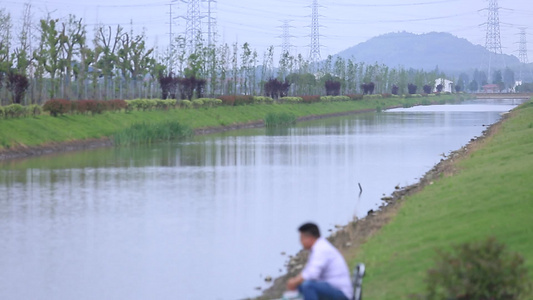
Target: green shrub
[243,100]
[161,104]
[35,110]
[211,102]
[129,106]
[279,119]
[374,96]
[335,98]
[185,104]
[291,100]
[134,104]
[478,271]
[263,100]
[149,104]
[145,133]
[164,104]
[15,111]
[1,112]
[198,103]
[142,104]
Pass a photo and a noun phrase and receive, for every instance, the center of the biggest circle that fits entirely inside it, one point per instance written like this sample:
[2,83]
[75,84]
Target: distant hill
[426,51]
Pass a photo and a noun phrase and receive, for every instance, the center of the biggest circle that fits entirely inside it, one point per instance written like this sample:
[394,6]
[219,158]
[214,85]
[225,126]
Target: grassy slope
[491,196]
[45,129]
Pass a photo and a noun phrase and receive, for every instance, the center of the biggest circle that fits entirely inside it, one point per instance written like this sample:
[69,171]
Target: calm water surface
[208,218]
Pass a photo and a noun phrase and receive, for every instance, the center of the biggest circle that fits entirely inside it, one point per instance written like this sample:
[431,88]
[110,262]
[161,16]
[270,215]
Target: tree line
[58,58]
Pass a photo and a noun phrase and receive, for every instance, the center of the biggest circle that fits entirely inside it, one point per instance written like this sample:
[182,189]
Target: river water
[208,218]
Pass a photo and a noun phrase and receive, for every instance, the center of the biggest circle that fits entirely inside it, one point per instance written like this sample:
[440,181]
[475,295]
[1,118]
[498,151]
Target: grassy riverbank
[45,129]
[490,195]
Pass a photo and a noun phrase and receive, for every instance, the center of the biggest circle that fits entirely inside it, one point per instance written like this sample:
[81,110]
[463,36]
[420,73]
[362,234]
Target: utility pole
[493,41]
[314,54]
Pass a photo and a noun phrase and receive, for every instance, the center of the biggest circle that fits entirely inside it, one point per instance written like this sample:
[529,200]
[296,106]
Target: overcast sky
[258,22]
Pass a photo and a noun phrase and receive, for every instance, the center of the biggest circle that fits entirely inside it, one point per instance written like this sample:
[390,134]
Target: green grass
[45,129]
[492,195]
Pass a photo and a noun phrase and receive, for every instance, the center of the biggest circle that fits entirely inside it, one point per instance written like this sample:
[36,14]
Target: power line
[396,5]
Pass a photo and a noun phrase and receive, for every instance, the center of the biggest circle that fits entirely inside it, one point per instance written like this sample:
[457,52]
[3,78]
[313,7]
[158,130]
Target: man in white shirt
[326,274]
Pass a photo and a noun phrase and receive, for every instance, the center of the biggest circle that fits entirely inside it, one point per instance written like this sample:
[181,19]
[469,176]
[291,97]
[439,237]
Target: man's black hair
[311,229]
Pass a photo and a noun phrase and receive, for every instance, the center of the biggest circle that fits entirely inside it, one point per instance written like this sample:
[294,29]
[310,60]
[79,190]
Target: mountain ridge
[427,51]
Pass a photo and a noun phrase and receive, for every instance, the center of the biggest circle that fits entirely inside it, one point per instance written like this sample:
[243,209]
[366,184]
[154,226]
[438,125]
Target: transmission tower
[314,54]
[493,39]
[170,36]
[522,50]
[211,22]
[286,45]
[193,25]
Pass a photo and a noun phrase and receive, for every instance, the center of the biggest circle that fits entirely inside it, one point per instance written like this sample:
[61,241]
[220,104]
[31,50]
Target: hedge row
[19,111]
[58,107]
[150,104]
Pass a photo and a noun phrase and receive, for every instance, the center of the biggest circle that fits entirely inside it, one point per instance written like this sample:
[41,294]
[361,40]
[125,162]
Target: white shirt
[327,264]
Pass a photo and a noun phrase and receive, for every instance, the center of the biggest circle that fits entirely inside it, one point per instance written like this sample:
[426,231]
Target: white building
[448,85]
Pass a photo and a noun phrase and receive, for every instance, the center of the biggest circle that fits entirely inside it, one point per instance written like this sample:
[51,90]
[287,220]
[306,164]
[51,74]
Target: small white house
[448,85]
[516,84]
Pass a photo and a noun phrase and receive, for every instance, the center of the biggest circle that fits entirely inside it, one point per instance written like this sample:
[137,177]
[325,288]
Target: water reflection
[164,222]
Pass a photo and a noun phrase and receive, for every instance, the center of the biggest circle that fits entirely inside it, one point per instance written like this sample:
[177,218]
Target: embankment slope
[45,134]
[489,194]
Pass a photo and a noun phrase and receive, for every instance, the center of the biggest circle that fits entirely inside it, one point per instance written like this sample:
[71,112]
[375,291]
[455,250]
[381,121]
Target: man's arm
[295,282]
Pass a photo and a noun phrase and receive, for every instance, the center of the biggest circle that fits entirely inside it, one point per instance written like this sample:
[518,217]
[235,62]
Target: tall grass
[280,119]
[147,133]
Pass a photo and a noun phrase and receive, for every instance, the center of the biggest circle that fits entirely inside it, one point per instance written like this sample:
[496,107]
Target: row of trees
[57,58]
[504,79]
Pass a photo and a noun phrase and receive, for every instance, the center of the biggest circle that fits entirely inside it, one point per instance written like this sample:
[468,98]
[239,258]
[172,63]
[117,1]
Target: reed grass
[280,119]
[147,133]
